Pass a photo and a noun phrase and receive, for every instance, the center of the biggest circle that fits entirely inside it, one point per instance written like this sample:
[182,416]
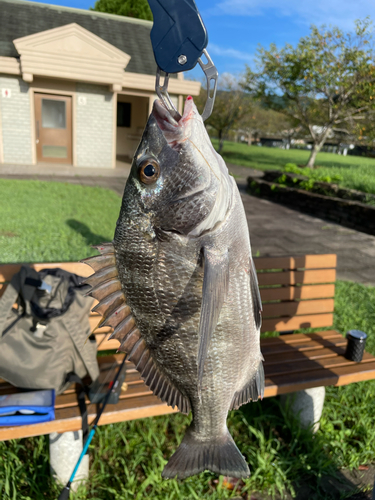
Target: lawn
[357,172]
[51,221]
[127,458]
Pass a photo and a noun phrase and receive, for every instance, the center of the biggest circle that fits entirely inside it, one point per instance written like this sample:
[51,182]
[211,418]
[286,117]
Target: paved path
[279,230]
[274,229]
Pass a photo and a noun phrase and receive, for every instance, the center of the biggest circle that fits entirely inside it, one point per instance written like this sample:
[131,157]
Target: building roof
[22,18]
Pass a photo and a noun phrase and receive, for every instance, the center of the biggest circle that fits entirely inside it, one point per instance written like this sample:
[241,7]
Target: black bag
[42,340]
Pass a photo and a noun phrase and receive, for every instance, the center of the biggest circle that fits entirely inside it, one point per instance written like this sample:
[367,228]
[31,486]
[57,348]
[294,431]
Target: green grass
[357,172]
[127,458]
[51,221]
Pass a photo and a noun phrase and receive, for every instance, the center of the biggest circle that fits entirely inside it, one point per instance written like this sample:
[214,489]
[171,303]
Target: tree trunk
[315,150]
[317,147]
[221,141]
[249,139]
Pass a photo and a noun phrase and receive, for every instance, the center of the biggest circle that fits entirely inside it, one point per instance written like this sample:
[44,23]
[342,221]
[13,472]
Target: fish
[179,287]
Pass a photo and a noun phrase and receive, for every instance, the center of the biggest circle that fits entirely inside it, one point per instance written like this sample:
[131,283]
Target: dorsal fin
[116,313]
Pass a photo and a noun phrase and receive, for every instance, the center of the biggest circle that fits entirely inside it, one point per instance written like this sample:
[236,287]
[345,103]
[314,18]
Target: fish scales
[183,259]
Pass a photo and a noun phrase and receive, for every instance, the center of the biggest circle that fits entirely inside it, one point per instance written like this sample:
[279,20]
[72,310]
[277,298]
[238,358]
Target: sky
[236,27]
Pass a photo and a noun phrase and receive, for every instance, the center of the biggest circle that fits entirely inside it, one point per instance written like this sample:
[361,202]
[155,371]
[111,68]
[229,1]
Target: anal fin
[154,378]
[252,391]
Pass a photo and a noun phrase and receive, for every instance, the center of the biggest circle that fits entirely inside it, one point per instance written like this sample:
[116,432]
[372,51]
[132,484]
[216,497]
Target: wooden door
[53,128]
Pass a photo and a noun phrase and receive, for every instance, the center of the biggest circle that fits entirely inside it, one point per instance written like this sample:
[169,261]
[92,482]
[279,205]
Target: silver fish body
[183,260]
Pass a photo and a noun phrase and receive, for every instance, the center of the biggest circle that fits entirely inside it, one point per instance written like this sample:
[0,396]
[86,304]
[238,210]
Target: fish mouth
[174,127]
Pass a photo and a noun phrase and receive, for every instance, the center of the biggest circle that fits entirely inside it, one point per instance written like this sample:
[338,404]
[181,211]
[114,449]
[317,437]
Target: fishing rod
[64,495]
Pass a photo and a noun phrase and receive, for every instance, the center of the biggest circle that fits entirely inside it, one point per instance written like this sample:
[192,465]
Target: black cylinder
[356,345]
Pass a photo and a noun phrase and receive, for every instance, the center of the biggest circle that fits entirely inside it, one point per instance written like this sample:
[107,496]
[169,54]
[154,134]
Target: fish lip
[167,122]
[161,113]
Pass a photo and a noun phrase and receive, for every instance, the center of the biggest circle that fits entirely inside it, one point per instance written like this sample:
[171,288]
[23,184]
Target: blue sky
[236,27]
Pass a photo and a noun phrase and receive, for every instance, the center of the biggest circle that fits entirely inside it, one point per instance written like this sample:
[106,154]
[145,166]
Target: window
[123,114]
[53,114]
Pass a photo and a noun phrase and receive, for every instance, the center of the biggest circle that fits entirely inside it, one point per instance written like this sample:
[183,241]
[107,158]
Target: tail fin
[194,456]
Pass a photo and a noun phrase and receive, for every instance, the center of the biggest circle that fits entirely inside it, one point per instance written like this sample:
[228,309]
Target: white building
[76,86]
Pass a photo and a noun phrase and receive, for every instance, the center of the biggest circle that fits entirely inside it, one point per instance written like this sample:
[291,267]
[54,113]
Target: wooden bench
[297,292]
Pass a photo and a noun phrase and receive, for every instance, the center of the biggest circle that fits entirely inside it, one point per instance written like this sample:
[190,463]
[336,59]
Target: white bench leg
[308,404]
[64,451]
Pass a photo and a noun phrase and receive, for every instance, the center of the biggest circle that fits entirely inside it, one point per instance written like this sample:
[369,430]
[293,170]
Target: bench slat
[296,277]
[295,355]
[69,419]
[297,322]
[303,346]
[299,313]
[135,389]
[267,294]
[295,338]
[104,344]
[7,270]
[307,364]
[297,292]
[305,261]
[343,375]
[295,308]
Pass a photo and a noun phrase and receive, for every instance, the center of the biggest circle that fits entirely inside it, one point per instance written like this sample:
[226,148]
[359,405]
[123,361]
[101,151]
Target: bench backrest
[297,292]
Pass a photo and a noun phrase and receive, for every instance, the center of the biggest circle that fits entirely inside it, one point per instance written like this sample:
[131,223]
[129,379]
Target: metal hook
[212,74]
[162,93]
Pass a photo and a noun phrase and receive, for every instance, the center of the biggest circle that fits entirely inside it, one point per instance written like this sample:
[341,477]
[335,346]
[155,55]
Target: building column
[114,131]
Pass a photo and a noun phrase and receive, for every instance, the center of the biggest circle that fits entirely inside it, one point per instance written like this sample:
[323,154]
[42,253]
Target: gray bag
[42,340]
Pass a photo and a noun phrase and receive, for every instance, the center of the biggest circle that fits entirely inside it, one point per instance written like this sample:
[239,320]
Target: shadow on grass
[82,229]
[291,461]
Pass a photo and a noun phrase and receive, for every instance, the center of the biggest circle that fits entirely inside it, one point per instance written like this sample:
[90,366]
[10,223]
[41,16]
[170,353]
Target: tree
[129,8]
[326,83]
[231,105]
[262,121]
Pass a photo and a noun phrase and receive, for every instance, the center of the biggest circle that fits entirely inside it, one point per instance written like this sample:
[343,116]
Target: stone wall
[348,213]
[15,119]
[94,126]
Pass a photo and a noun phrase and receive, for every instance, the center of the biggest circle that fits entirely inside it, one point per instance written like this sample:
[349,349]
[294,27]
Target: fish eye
[149,171]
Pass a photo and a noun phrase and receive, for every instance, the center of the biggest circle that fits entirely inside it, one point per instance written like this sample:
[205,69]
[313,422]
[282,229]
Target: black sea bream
[178,284]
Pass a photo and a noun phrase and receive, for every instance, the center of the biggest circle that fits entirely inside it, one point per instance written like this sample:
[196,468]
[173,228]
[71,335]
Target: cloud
[336,12]
[216,50]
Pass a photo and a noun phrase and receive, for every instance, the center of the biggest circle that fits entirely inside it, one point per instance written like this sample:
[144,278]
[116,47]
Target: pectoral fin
[215,287]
